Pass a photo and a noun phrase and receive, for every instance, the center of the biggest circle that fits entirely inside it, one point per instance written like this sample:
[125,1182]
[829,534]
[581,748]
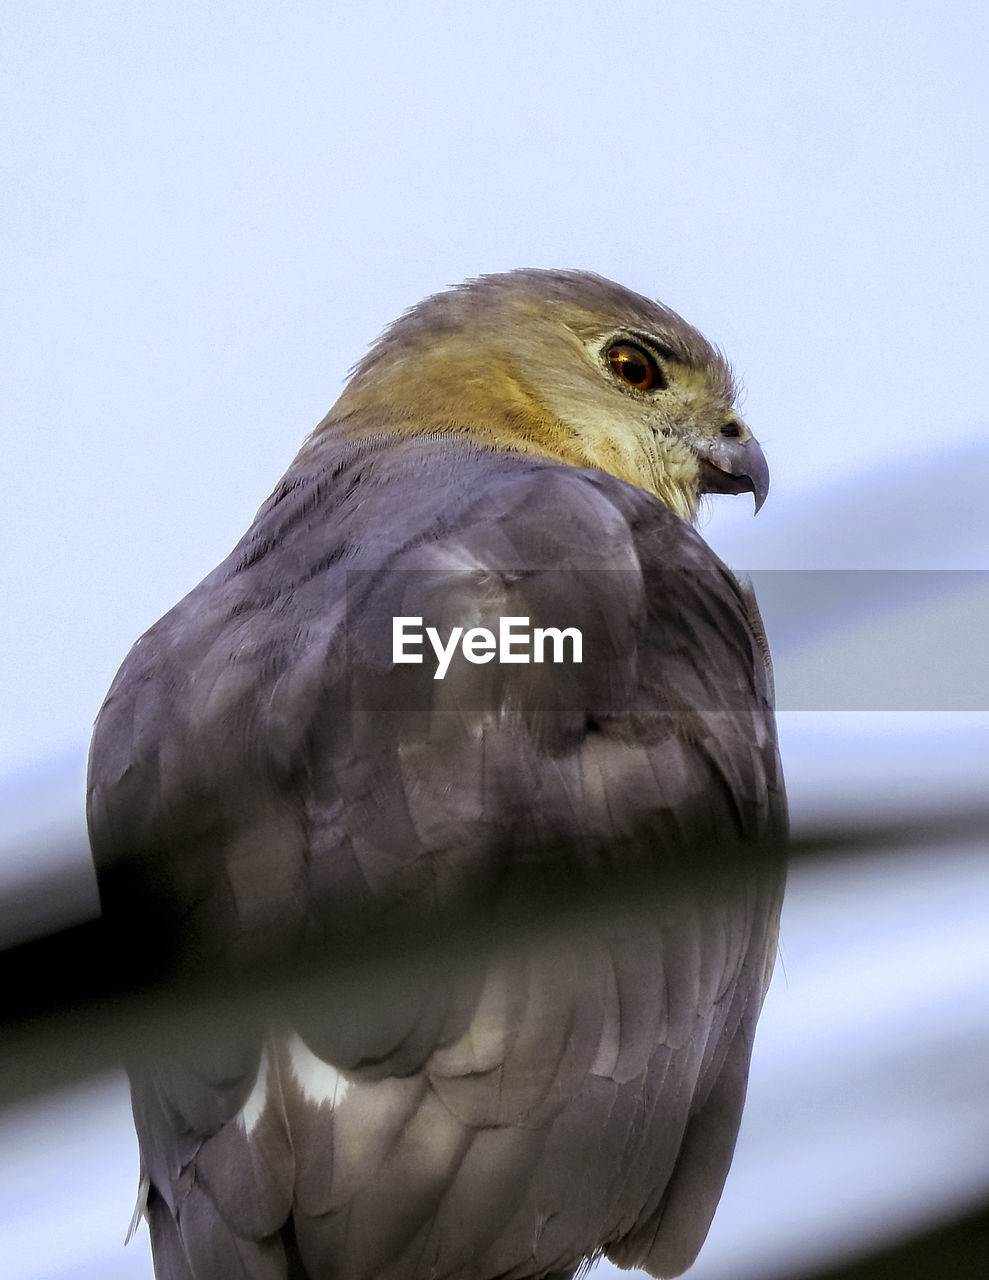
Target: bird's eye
[635,366]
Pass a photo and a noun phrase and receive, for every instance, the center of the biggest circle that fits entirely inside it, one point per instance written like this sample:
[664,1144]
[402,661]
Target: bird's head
[564,365]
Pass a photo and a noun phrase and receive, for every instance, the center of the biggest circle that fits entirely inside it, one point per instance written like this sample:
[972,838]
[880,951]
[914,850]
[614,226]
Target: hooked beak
[734,466]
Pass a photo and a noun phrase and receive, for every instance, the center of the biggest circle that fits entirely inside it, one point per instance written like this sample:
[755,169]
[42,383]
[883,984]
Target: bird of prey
[326,738]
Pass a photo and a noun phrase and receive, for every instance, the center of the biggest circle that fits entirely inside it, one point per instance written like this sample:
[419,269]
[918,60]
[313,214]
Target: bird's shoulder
[266,712]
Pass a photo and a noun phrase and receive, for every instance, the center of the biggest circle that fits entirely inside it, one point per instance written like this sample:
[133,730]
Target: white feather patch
[319,1081]
[250,1112]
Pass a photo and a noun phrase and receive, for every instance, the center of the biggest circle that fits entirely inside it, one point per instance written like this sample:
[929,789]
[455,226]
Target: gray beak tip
[728,466]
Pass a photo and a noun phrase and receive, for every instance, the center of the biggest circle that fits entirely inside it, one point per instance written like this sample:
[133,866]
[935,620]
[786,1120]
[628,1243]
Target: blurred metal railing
[81,1000]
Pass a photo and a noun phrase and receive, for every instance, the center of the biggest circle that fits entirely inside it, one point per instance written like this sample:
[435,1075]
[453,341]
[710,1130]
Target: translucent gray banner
[877,640]
[841,640]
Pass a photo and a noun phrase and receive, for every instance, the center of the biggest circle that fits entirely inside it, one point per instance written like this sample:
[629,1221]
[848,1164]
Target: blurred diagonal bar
[80,1000]
[957,1251]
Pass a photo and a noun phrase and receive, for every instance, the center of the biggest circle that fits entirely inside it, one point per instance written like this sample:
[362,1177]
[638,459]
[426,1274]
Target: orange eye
[635,366]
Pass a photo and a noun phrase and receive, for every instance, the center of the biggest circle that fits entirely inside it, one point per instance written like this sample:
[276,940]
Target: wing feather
[262,771]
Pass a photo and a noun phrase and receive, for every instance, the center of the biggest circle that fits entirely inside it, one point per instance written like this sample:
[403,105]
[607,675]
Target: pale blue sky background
[208,212]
